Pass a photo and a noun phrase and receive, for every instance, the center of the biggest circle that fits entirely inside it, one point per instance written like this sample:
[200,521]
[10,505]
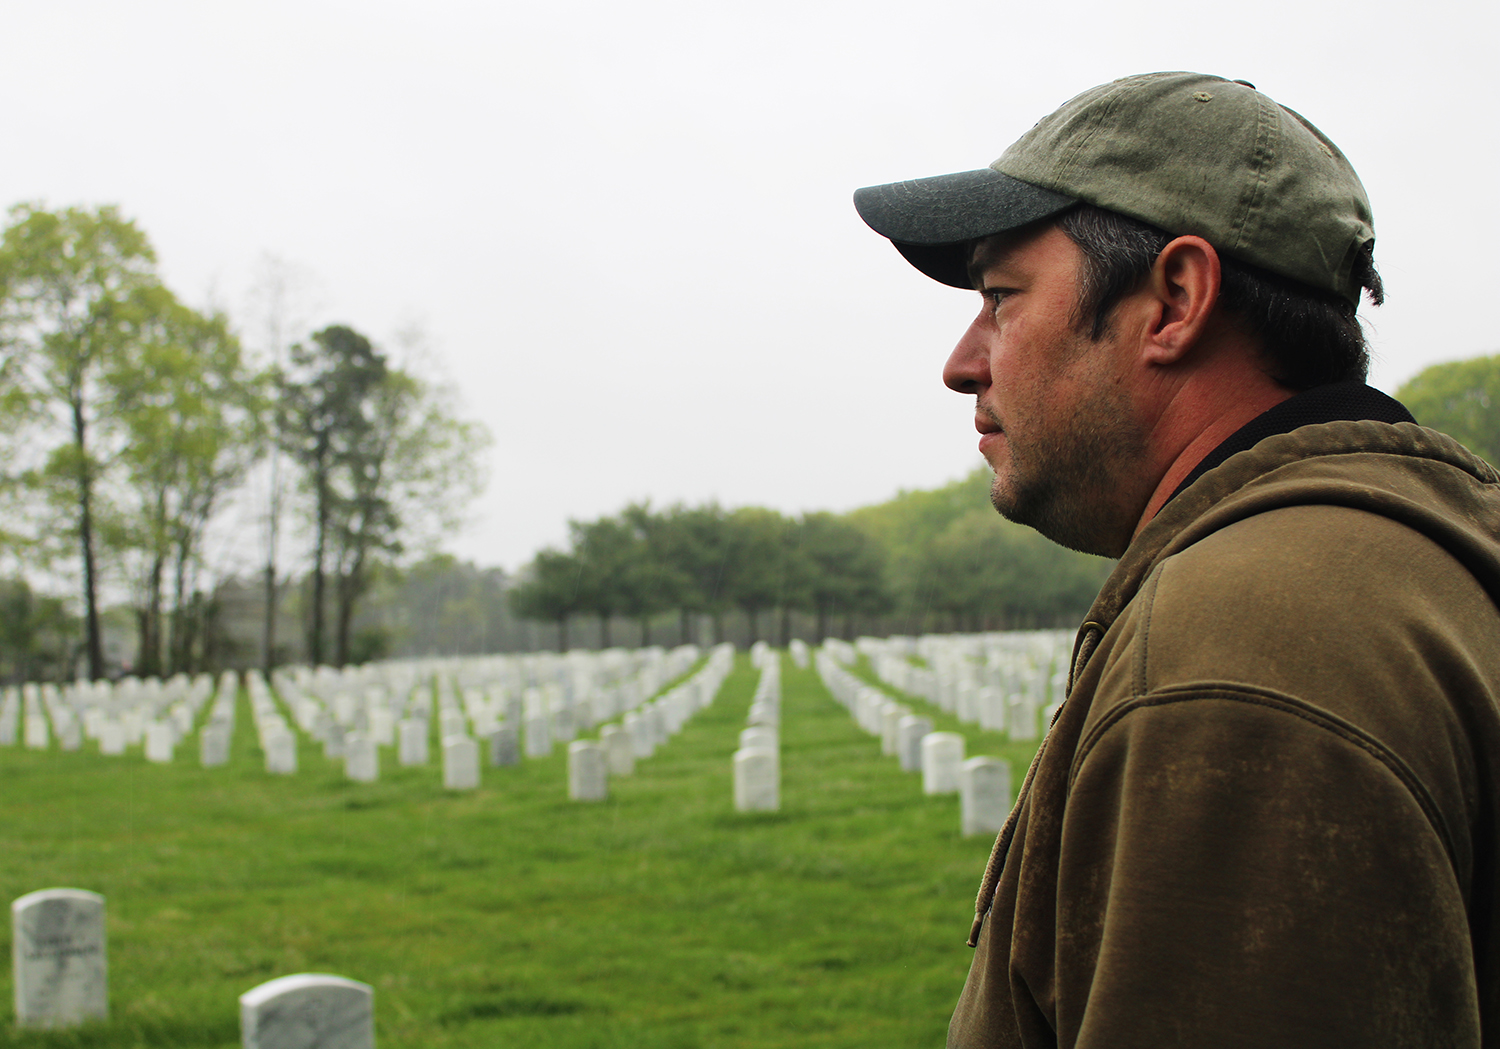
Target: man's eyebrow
[982,255]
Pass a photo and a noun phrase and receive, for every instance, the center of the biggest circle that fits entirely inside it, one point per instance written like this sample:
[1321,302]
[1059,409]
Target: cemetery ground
[509,915]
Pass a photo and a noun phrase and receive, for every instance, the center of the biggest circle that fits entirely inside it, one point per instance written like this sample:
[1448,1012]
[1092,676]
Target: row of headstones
[61,975]
[612,682]
[547,714]
[983,784]
[1004,682]
[152,713]
[157,715]
[591,763]
[757,762]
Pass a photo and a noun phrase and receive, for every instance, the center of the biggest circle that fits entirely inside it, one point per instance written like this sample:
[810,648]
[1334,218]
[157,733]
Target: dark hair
[1309,337]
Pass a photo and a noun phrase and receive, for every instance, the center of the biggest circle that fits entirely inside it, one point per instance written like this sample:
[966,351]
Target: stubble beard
[1071,482]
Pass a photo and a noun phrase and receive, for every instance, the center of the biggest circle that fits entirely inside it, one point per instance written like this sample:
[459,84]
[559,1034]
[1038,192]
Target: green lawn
[510,916]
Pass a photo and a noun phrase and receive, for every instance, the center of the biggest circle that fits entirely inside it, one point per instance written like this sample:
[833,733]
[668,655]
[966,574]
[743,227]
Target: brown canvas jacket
[1267,813]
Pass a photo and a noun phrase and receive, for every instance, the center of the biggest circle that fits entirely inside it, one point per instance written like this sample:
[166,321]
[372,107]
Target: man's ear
[1184,290]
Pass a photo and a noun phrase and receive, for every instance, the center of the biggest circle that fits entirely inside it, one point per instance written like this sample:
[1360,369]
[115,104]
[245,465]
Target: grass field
[510,916]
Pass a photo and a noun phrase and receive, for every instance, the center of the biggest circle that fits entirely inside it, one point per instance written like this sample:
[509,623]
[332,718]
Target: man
[1266,814]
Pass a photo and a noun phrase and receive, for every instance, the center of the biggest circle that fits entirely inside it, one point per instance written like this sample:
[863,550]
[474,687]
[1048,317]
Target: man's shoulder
[1345,615]
[1305,592]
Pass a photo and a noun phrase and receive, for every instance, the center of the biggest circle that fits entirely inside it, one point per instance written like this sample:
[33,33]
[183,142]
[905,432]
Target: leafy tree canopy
[1462,399]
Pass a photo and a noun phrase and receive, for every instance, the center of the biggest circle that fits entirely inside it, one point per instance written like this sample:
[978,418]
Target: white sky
[625,227]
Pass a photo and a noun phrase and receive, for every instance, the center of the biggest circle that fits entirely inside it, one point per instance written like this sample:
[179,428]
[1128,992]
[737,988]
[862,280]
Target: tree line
[702,560]
[931,560]
[130,423]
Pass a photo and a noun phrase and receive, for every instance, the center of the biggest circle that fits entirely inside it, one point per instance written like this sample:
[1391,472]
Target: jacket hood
[1419,477]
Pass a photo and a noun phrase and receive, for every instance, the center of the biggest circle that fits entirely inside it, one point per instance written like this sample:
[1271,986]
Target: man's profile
[1267,813]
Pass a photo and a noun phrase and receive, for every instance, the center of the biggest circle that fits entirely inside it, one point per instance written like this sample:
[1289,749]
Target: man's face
[1052,406]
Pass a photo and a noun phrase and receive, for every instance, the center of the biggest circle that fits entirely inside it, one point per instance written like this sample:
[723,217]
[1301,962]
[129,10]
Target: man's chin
[1064,522]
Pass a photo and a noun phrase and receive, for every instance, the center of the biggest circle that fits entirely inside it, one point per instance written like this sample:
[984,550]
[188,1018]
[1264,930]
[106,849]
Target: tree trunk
[273,529]
[562,634]
[92,638]
[315,625]
[645,631]
[350,586]
[179,640]
[604,630]
[150,662]
[822,629]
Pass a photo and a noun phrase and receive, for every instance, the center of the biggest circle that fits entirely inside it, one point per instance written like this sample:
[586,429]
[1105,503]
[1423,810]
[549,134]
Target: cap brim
[932,220]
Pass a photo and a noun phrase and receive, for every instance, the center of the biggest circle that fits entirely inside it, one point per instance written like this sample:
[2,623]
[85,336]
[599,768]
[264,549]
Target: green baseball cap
[1186,152]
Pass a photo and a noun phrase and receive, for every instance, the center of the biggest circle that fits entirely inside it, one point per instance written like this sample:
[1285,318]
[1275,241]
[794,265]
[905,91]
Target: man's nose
[968,367]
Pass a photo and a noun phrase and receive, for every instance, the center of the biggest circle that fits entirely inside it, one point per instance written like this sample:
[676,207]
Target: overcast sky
[625,228]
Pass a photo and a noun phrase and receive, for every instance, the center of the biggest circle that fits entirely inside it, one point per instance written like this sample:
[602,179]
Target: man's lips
[984,424]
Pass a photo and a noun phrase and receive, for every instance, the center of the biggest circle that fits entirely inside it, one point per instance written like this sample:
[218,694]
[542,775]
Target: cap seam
[1262,153]
[1109,100]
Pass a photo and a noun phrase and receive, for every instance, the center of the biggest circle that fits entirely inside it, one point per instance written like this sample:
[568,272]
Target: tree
[989,573]
[324,414]
[843,570]
[405,482]
[37,635]
[551,588]
[656,584]
[760,565]
[278,303]
[190,412]
[73,286]
[983,569]
[1461,398]
[385,464]
[693,542]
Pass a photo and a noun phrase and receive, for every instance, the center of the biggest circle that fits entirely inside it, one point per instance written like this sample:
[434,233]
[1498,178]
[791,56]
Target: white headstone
[942,756]
[909,735]
[538,735]
[588,779]
[37,735]
[361,759]
[58,951]
[111,737]
[619,750]
[213,744]
[1023,718]
[452,723]
[992,709]
[984,795]
[460,763]
[412,738]
[639,731]
[564,724]
[762,713]
[281,752]
[160,738]
[759,736]
[308,1011]
[890,727]
[505,744]
[757,781]
[382,727]
[69,732]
